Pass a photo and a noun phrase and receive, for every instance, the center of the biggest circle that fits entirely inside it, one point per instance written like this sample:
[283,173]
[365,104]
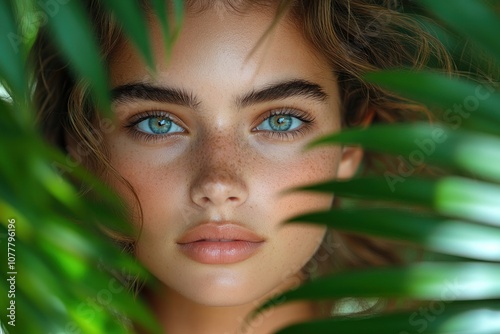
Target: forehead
[220,50]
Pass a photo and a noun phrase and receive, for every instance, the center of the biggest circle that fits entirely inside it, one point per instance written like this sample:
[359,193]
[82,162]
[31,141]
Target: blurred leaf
[432,318]
[463,101]
[12,70]
[59,235]
[467,57]
[421,281]
[418,144]
[160,9]
[452,196]
[414,191]
[133,21]
[170,33]
[473,19]
[64,254]
[470,199]
[178,14]
[68,23]
[435,233]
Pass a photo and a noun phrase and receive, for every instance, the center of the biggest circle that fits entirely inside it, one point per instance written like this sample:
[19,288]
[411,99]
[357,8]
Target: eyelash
[306,119]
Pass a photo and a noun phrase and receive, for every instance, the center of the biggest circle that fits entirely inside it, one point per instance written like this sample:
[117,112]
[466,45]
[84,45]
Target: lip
[219,243]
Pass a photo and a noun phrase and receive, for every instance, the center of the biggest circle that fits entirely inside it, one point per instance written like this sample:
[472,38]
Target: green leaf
[414,191]
[170,33]
[68,24]
[472,19]
[459,197]
[467,57]
[12,68]
[102,206]
[419,143]
[422,281]
[132,19]
[438,317]
[451,196]
[435,233]
[178,14]
[44,290]
[160,9]
[463,101]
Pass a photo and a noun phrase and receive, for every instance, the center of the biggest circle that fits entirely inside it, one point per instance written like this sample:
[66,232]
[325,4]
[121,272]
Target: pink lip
[219,243]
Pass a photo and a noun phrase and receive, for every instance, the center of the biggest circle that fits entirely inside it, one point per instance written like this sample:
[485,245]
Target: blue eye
[280,123]
[158,125]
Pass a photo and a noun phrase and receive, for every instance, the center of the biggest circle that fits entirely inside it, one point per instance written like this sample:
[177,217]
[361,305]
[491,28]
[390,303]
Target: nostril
[216,189]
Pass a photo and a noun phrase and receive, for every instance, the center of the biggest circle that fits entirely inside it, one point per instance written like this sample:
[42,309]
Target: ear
[349,163]
[352,155]
[367,117]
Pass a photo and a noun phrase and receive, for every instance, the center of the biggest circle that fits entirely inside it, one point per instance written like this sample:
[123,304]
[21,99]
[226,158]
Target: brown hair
[356,36]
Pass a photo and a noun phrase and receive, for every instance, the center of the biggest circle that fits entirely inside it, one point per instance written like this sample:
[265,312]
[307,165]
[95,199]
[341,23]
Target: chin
[221,297]
[219,290]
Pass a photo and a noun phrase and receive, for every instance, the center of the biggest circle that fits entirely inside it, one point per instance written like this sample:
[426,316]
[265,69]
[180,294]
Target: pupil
[159,125]
[281,123]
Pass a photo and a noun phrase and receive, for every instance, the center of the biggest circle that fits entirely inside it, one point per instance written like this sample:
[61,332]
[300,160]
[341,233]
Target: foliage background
[59,288]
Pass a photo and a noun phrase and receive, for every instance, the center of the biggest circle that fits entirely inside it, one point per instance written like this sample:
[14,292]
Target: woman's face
[210,143]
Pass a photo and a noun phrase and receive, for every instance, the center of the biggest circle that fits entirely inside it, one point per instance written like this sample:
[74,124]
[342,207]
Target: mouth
[217,240]
[219,243]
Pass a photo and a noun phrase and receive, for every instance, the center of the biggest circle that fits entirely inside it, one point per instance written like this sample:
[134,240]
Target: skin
[224,166]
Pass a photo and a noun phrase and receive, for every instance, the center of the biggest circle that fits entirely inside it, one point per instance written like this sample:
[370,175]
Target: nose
[218,181]
[218,188]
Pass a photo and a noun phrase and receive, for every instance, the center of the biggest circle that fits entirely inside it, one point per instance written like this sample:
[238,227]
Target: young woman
[203,150]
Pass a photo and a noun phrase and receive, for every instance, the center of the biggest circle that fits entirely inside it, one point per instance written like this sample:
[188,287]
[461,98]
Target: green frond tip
[170,28]
[179,16]
[133,21]
[160,10]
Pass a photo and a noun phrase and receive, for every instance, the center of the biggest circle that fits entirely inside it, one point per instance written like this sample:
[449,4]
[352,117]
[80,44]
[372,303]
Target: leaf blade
[463,17]
[439,234]
[69,24]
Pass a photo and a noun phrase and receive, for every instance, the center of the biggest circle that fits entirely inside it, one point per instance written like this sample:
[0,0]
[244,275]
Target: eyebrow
[144,91]
[282,90]
[275,91]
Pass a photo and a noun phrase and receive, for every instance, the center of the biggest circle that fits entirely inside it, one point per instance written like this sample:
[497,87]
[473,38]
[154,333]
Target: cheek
[315,166]
[152,180]
[302,240]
